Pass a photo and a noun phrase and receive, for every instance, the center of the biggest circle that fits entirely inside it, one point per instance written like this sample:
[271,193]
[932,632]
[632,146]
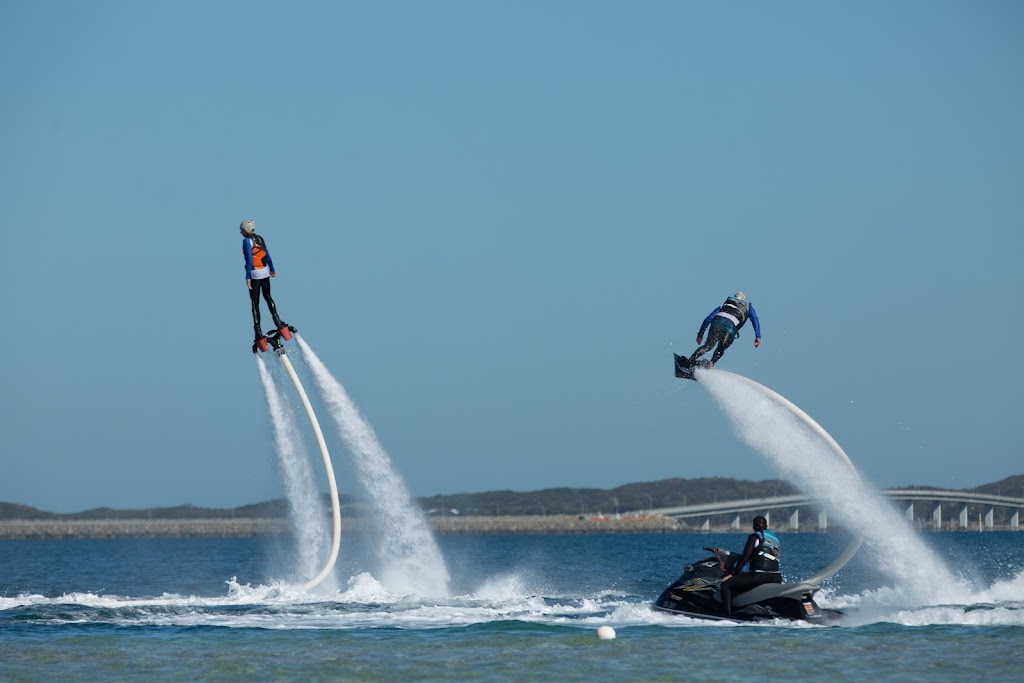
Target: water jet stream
[785,435]
[326,457]
[411,561]
[304,501]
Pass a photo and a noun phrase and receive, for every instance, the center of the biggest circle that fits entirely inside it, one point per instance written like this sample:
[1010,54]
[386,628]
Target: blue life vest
[766,559]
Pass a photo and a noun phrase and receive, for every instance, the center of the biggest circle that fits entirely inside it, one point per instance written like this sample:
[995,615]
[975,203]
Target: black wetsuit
[258,287]
[762,551]
[722,333]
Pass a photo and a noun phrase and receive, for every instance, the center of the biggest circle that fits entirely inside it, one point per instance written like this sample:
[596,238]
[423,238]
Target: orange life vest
[259,252]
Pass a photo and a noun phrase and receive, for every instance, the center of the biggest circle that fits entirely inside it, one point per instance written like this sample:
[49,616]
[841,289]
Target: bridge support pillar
[794,520]
[822,521]
[909,511]
[990,518]
[736,522]
[937,516]
[768,518]
[706,524]
[1015,521]
[963,516]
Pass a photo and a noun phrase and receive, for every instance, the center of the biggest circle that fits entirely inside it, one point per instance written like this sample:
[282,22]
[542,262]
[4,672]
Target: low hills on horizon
[636,497]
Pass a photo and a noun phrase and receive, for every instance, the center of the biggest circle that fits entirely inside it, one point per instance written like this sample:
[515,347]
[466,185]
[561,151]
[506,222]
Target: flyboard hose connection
[806,419]
[335,506]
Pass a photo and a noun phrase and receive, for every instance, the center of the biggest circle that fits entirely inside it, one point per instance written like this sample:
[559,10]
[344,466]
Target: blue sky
[495,222]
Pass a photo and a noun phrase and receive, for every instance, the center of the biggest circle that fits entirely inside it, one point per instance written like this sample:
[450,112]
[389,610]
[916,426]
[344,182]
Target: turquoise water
[520,608]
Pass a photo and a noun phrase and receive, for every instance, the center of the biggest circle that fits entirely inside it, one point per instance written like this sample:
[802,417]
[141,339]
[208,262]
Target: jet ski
[696,594]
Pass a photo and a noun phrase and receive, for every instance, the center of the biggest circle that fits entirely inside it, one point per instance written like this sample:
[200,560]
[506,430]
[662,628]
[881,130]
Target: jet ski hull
[697,594]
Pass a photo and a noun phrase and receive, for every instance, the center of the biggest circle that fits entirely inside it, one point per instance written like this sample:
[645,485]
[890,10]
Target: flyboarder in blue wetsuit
[259,268]
[762,551]
[726,321]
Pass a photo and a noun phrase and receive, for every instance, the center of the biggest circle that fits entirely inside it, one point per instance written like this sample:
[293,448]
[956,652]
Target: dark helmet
[760,523]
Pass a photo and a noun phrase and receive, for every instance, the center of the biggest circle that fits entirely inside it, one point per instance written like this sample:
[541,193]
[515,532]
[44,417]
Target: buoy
[606,633]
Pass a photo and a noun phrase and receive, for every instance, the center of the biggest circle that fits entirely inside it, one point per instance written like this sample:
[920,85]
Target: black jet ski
[696,594]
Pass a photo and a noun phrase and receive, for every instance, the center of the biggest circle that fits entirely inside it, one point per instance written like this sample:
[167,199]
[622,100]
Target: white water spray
[304,504]
[411,561]
[803,457]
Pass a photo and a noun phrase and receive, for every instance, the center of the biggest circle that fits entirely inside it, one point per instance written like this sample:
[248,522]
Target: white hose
[854,545]
[335,506]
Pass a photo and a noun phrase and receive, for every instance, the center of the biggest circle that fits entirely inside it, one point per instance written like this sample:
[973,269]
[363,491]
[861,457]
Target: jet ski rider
[259,268]
[726,321]
[762,551]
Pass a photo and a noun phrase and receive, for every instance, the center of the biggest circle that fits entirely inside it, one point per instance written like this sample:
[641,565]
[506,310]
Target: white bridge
[969,506]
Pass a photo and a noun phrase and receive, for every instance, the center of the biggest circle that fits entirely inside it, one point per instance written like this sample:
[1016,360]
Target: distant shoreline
[448,525]
[241,528]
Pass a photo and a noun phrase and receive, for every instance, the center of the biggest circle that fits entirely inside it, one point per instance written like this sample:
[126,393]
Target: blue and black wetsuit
[725,321]
[258,269]
[763,551]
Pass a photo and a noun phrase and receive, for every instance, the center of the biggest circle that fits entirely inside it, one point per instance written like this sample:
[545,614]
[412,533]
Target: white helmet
[738,295]
[248,226]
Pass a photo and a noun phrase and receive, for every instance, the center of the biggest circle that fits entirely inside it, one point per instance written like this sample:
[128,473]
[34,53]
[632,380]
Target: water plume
[804,458]
[411,562]
[305,506]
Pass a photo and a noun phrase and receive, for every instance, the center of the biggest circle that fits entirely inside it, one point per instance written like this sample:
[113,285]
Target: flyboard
[684,369]
[800,593]
[274,341]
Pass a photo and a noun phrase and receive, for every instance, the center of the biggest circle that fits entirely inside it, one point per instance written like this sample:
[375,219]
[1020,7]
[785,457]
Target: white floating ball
[606,633]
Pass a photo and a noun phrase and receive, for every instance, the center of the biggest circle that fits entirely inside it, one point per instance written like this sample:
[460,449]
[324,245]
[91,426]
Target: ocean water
[521,608]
